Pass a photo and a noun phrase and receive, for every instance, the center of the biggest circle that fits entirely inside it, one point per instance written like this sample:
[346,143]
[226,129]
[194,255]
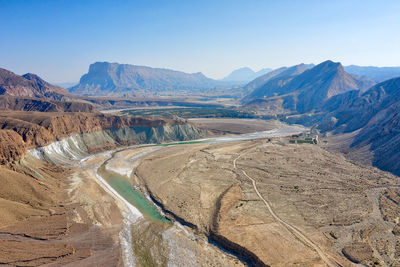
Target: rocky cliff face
[113,79]
[96,132]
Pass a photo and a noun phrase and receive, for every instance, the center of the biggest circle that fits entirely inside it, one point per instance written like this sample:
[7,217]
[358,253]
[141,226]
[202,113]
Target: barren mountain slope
[28,85]
[374,114]
[307,90]
[271,83]
[45,222]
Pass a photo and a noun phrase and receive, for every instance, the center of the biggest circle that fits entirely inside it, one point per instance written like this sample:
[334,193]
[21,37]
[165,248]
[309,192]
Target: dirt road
[291,228]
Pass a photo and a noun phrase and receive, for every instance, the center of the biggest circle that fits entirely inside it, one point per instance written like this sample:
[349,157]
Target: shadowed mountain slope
[354,110]
[373,118]
[281,72]
[270,84]
[304,90]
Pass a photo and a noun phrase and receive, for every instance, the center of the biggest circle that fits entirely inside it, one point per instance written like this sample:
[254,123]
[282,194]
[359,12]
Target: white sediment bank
[65,152]
[123,165]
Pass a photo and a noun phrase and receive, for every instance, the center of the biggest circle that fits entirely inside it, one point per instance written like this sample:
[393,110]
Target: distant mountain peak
[328,64]
[245,74]
[36,79]
[244,69]
[200,74]
[32,76]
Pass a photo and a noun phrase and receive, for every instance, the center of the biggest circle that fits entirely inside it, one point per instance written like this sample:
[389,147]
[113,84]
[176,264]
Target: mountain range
[124,80]
[378,74]
[301,88]
[245,75]
[333,101]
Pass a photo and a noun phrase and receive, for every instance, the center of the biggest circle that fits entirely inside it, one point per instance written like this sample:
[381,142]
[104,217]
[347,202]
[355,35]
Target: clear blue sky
[59,39]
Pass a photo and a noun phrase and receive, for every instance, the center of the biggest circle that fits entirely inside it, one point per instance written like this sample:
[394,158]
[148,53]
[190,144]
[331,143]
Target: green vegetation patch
[190,113]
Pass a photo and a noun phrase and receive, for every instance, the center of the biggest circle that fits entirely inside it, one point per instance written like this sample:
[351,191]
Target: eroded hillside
[24,130]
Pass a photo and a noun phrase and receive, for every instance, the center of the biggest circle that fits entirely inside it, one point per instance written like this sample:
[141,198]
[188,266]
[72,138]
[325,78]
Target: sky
[59,39]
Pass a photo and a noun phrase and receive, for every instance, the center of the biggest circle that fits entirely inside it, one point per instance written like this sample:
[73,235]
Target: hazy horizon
[58,40]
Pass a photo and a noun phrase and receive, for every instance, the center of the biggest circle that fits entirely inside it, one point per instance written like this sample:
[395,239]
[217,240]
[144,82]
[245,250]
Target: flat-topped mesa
[113,79]
[97,132]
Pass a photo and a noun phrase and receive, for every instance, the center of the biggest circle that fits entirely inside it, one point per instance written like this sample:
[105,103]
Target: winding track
[291,228]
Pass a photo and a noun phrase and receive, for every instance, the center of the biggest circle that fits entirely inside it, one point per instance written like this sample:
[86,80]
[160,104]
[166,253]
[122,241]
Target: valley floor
[263,200]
